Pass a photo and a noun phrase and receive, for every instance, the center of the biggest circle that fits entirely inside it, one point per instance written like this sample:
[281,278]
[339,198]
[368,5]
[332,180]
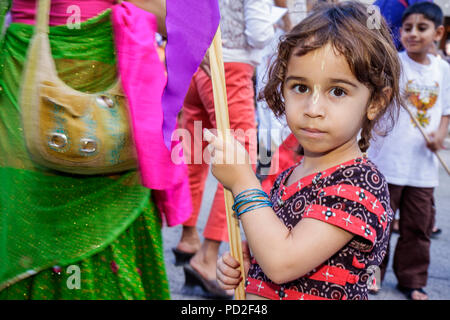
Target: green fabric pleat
[129,268]
[49,218]
[5,5]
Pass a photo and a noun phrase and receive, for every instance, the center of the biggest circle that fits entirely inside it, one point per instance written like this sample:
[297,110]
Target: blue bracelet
[244,197]
[254,207]
[242,202]
[259,198]
[249,192]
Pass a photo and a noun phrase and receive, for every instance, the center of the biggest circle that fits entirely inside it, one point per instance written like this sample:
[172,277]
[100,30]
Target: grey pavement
[438,287]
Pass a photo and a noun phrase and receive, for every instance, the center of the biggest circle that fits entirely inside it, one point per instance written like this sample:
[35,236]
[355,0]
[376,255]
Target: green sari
[66,236]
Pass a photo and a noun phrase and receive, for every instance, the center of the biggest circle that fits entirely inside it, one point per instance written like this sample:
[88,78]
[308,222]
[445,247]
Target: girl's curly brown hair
[370,53]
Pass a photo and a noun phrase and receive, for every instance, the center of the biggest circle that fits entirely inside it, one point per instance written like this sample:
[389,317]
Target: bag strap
[42,19]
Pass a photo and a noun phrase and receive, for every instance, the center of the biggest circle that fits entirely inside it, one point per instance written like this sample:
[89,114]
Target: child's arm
[437,138]
[283,254]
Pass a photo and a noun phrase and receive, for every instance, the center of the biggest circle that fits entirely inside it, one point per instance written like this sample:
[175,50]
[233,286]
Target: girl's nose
[314,107]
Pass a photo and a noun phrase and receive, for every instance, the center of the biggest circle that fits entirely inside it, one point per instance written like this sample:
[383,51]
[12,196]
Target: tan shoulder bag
[68,130]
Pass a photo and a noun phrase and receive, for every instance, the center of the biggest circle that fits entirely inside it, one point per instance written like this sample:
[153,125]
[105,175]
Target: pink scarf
[143,81]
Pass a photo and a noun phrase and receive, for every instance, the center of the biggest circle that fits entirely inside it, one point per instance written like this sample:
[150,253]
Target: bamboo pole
[223,124]
[427,139]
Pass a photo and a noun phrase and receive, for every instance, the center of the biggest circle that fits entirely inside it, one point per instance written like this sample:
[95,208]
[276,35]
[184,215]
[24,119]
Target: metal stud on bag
[105,101]
[88,145]
[57,140]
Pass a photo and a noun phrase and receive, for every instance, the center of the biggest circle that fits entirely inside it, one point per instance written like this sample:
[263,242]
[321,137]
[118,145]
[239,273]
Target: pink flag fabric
[143,80]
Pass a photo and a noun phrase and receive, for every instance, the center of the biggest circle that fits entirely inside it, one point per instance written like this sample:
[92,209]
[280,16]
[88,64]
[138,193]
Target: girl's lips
[311,132]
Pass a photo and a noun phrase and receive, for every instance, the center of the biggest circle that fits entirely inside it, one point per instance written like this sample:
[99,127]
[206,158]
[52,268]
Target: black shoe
[181,257]
[435,233]
[395,226]
[193,278]
[409,291]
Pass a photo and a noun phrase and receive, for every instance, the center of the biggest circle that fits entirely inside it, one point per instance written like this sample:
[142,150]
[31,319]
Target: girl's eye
[337,92]
[300,88]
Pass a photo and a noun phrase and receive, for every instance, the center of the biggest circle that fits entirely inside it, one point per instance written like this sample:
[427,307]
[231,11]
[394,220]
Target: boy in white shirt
[404,157]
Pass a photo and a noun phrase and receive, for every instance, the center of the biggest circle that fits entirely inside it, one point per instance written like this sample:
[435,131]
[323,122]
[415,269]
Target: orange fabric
[199,106]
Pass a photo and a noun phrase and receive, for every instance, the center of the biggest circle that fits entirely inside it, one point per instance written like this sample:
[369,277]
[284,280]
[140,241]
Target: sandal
[181,257]
[436,231]
[374,289]
[408,292]
[210,287]
[395,226]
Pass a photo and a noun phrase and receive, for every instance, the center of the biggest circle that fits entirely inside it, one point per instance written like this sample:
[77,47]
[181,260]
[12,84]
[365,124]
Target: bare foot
[373,289]
[207,271]
[418,295]
[413,294]
[436,230]
[205,260]
[190,240]
[395,225]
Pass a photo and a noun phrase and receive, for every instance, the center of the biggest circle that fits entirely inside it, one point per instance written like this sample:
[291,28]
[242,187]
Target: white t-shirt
[246,28]
[403,156]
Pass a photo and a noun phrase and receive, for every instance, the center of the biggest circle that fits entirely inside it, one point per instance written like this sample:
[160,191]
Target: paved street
[438,286]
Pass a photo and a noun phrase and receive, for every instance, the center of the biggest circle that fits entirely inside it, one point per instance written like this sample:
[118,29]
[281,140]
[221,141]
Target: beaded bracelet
[257,197]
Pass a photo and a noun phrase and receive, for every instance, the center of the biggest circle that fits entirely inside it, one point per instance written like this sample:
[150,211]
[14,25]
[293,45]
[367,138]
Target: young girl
[324,227]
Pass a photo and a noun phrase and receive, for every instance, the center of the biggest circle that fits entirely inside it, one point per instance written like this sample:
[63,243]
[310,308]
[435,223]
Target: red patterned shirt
[353,196]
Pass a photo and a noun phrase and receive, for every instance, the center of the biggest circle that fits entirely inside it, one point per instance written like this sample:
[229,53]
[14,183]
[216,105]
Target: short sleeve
[354,205]
[277,183]
[446,89]
[258,27]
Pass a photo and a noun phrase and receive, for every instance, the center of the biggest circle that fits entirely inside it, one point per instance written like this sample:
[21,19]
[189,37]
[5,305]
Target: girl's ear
[379,103]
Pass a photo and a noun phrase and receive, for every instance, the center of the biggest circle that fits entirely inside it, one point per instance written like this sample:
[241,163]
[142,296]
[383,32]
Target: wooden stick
[427,139]
[223,124]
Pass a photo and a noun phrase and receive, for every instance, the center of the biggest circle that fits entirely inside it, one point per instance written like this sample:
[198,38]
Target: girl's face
[324,103]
